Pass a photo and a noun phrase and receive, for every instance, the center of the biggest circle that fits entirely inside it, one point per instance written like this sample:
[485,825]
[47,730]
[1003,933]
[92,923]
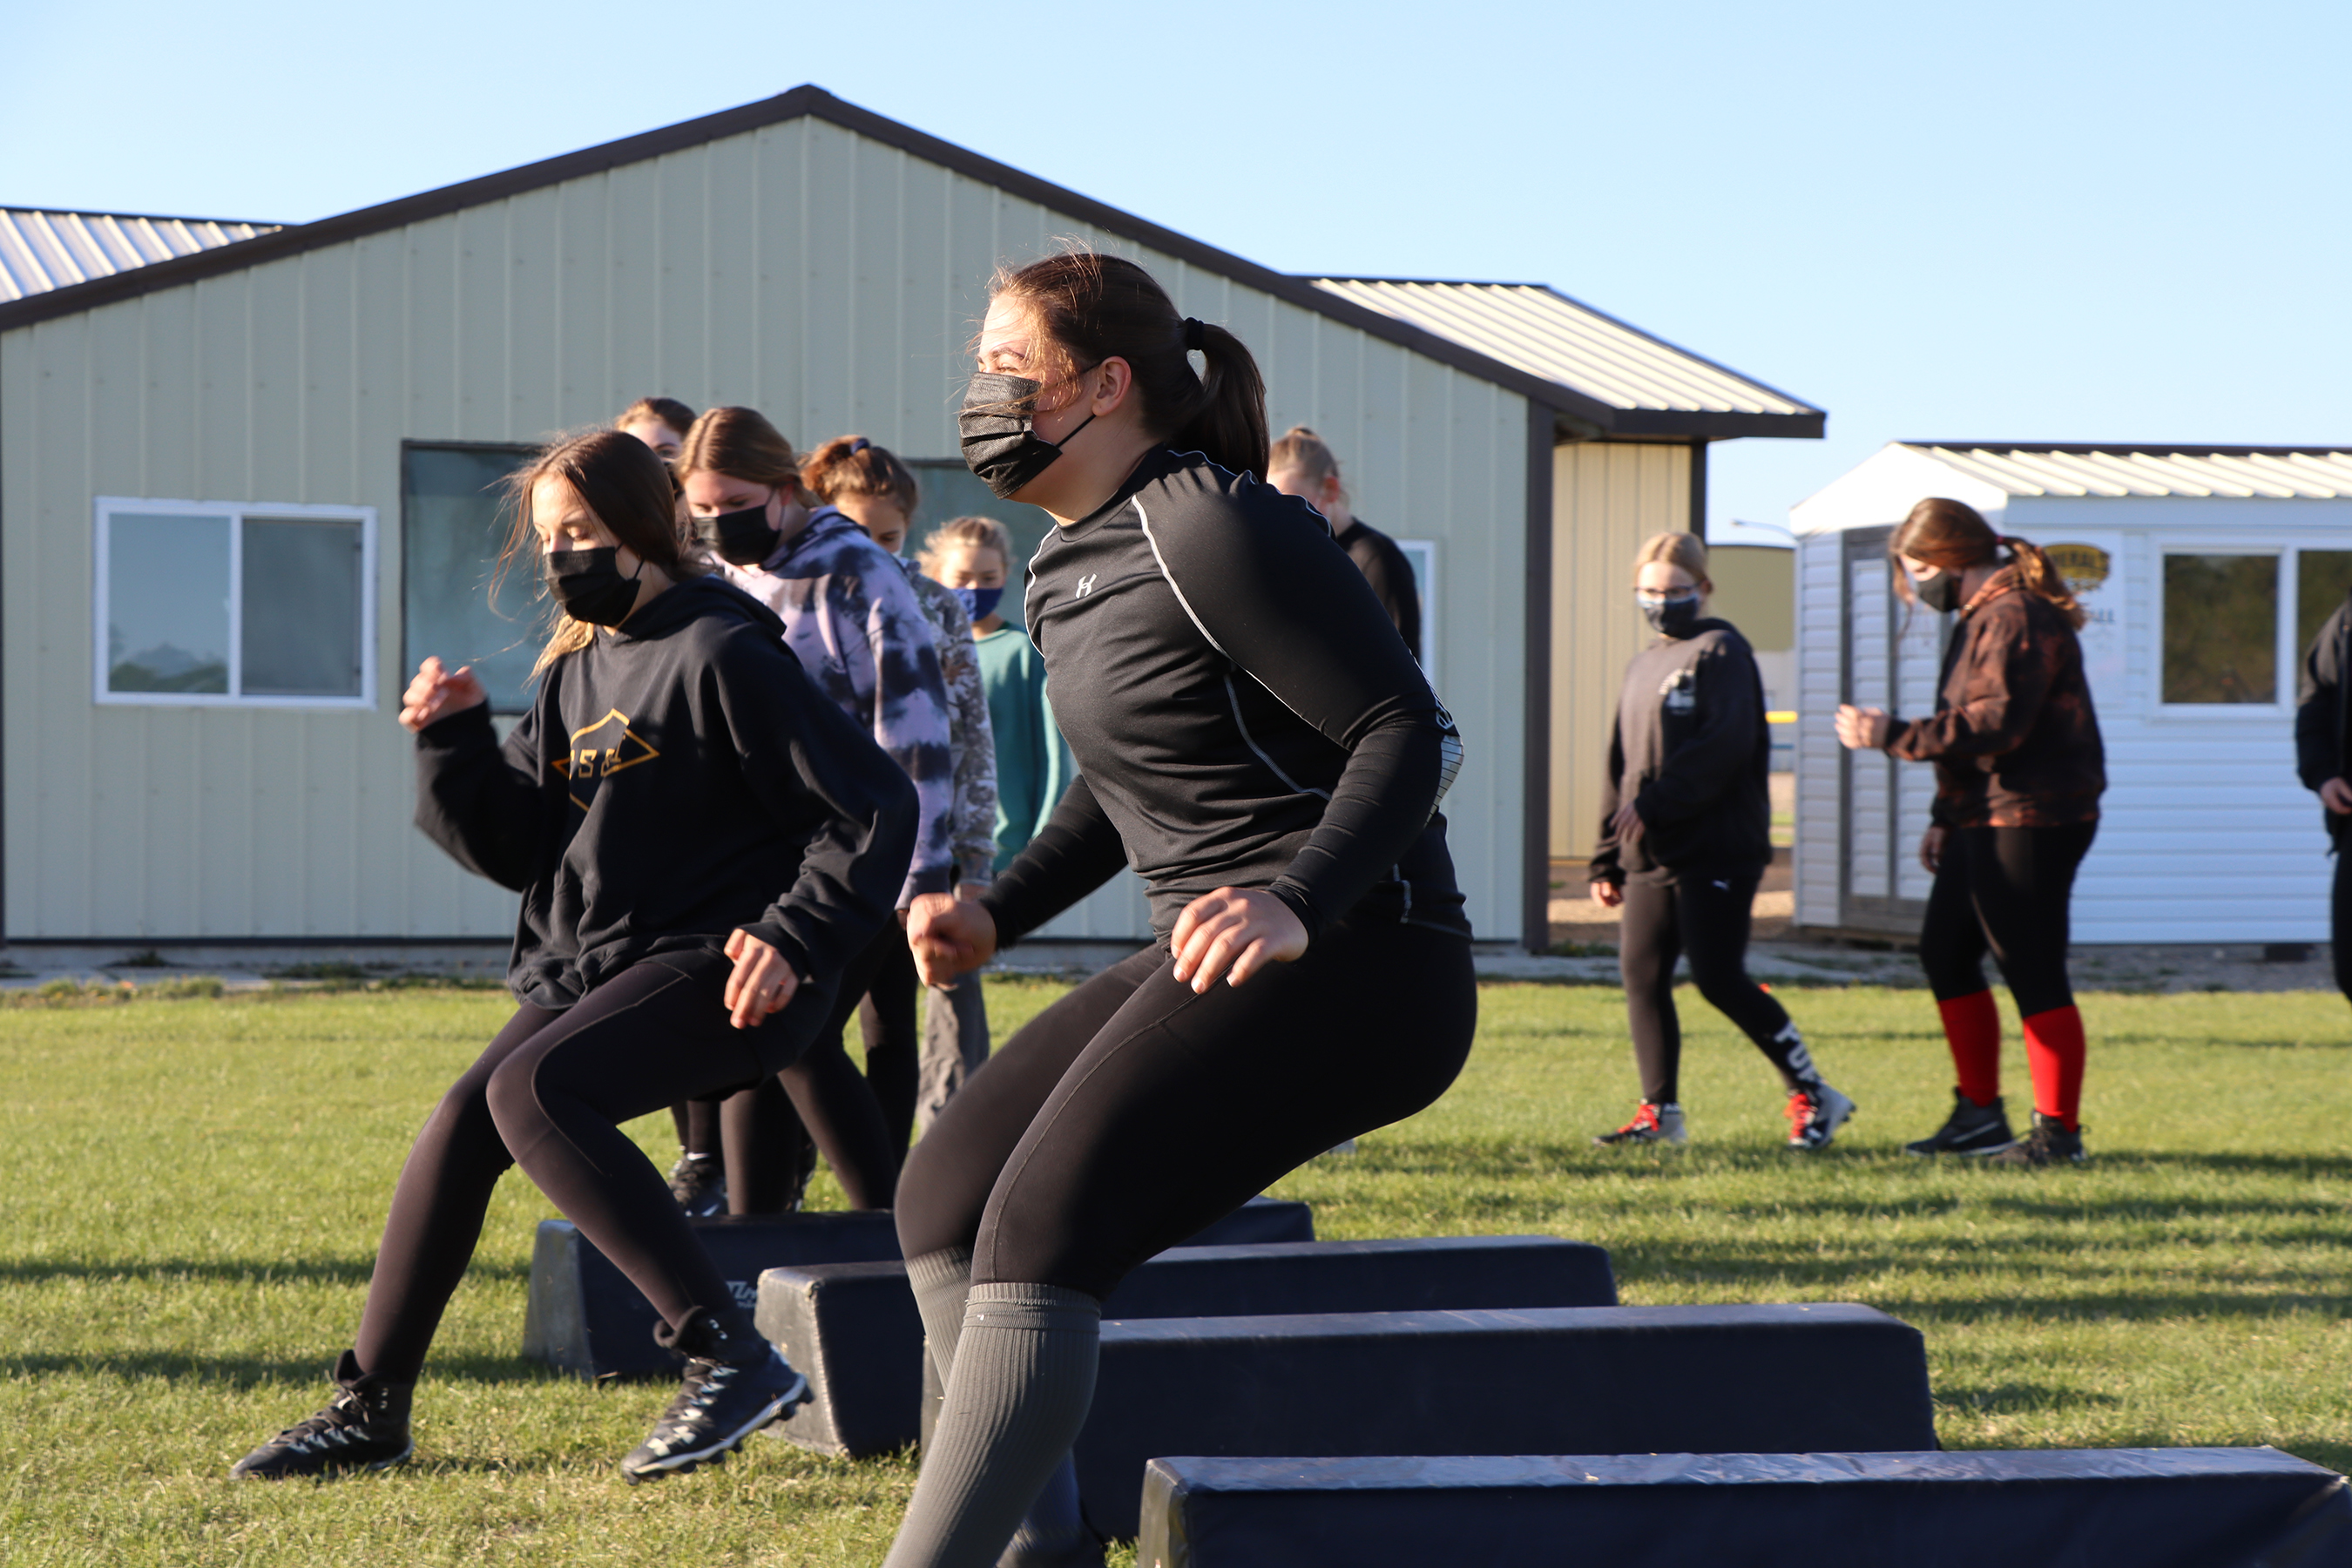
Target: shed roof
[1566,341]
[41,250]
[1622,403]
[2028,469]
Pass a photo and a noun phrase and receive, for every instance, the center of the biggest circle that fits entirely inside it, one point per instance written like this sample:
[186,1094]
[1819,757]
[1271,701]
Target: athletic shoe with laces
[1651,1125]
[1972,1129]
[364,1428]
[736,1382]
[2048,1145]
[1815,1113]
[698,1183]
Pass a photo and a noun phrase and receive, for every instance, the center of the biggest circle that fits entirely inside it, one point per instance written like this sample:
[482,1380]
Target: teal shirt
[1032,766]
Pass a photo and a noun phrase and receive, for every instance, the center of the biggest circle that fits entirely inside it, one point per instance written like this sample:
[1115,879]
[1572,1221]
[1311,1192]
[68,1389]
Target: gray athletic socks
[939,1280]
[1021,1377]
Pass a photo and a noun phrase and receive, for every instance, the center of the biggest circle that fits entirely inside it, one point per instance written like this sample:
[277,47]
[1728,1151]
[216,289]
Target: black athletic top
[1242,712]
[672,782]
[1384,566]
[1690,749]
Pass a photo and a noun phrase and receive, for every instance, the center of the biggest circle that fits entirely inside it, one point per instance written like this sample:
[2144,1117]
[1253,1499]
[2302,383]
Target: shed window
[2220,629]
[209,603]
[451,532]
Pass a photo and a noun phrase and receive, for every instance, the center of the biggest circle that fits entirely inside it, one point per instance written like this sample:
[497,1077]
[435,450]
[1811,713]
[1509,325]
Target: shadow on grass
[2011,1399]
[177,1270]
[244,1374]
[1504,1158]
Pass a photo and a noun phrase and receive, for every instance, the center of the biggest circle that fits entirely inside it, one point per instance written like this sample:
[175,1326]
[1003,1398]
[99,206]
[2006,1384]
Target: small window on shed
[2220,629]
[211,603]
[452,529]
[2322,579]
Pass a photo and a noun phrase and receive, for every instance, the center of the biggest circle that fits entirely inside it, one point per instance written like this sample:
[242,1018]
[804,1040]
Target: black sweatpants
[550,1094]
[1703,915]
[2340,922]
[2004,891]
[1132,1112]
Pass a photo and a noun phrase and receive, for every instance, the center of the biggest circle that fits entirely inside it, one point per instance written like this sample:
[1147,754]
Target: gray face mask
[1940,593]
[1000,446]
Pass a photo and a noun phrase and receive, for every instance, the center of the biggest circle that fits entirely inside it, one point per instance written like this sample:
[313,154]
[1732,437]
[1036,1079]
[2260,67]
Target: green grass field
[194,1189]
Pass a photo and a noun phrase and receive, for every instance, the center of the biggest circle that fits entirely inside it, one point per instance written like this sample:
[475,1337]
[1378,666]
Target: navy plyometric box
[586,1317]
[2114,1508]
[1813,1378]
[851,1327]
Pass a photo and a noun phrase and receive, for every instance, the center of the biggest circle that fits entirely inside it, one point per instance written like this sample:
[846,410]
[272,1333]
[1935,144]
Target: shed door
[1893,656]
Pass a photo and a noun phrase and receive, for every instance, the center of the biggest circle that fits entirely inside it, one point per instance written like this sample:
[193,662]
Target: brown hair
[668,410]
[1953,536]
[1688,551]
[965,533]
[740,444]
[625,488]
[1085,308]
[853,466]
[1303,450]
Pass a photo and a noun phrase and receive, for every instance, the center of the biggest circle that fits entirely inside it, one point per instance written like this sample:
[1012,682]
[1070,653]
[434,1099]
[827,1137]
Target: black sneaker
[1972,1128]
[365,1428]
[698,1183]
[736,1382]
[2048,1145]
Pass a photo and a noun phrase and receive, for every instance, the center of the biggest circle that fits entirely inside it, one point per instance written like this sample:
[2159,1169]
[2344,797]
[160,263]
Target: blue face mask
[978,603]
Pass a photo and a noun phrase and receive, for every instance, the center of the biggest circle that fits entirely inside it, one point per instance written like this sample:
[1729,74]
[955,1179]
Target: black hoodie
[1691,750]
[672,782]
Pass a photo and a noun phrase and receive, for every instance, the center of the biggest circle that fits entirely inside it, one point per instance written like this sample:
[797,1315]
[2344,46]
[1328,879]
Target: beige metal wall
[828,279]
[1606,497]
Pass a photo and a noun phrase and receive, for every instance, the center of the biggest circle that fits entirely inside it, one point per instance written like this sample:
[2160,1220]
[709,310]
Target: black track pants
[2004,891]
[1703,916]
[1132,1112]
[2339,925]
[894,1040]
[550,1094]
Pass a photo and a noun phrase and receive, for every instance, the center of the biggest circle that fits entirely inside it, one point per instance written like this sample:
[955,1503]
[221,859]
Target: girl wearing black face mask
[700,840]
[1686,835]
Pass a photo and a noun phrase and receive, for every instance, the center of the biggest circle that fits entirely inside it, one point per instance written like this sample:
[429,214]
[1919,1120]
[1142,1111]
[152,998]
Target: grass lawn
[194,1190]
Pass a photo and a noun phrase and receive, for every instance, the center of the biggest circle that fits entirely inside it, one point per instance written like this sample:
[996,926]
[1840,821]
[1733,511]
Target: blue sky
[2064,221]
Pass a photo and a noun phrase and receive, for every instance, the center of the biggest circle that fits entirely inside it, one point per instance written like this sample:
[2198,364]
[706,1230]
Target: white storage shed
[2205,571]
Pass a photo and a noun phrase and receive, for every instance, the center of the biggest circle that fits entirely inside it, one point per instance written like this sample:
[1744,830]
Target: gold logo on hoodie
[601,750]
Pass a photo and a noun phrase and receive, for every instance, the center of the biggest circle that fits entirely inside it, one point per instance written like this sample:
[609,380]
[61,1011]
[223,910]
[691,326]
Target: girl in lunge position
[1252,736]
[2019,772]
[702,840]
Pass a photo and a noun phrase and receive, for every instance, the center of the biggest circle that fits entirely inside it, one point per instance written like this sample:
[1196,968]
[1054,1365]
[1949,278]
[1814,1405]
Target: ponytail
[2035,570]
[1955,536]
[1086,307]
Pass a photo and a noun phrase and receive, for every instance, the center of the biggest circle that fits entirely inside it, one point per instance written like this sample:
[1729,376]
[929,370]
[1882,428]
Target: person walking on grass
[2323,725]
[1685,833]
[701,840]
[1254,738]
[2019,772]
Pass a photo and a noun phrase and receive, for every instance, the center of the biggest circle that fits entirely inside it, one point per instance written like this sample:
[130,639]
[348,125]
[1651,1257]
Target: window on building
[945,489]
[2220,629]
[452,527]
[1422,555]
[2322,579]
[206,602]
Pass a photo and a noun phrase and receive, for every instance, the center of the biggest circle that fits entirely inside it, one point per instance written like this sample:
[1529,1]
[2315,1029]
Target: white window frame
[102,518]
[1425,587]
[2282,631]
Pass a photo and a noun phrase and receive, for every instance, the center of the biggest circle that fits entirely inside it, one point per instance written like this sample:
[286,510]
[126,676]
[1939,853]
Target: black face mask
[1940,593]
[743,537]
[589,585]
[998,445]
[1676,619]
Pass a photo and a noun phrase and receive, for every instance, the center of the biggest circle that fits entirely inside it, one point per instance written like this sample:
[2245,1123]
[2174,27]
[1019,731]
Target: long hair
[625,488]
[740,444]
[1305,453]
[1688,551]
[1954,536]
[1085,308]
[853,466]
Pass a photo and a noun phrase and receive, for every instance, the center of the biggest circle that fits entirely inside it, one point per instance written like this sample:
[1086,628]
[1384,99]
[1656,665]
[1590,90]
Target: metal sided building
[242,488]
[2205,572]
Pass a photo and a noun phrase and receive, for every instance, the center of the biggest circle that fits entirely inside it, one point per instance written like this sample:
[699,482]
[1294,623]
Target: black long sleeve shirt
[1691,750]
[1384,566]
[2323,709]
[671,783]
[1242,710]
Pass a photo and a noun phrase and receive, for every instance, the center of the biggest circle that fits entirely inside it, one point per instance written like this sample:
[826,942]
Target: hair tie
[1195,334]
[859,445]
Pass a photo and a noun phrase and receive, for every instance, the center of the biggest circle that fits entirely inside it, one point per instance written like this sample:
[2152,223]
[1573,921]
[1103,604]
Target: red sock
[1972,1026]
[2054,1048]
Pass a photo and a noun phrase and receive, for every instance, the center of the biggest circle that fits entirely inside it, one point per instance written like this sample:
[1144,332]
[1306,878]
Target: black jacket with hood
[2323,710]
[1690,749]
[672,782]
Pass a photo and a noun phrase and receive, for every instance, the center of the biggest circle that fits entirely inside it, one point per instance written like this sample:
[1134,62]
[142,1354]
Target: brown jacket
[2014,740]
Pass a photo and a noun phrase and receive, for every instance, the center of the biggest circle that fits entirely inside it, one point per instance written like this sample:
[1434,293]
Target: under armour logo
[1086,586]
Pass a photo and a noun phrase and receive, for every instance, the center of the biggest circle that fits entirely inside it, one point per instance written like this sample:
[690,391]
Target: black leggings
[2004,891]
[1132,1112]
[2339,924]
[1703,916]
[550,1094]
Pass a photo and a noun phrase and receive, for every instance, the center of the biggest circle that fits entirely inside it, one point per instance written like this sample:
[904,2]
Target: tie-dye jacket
[854,622]
[971,827]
